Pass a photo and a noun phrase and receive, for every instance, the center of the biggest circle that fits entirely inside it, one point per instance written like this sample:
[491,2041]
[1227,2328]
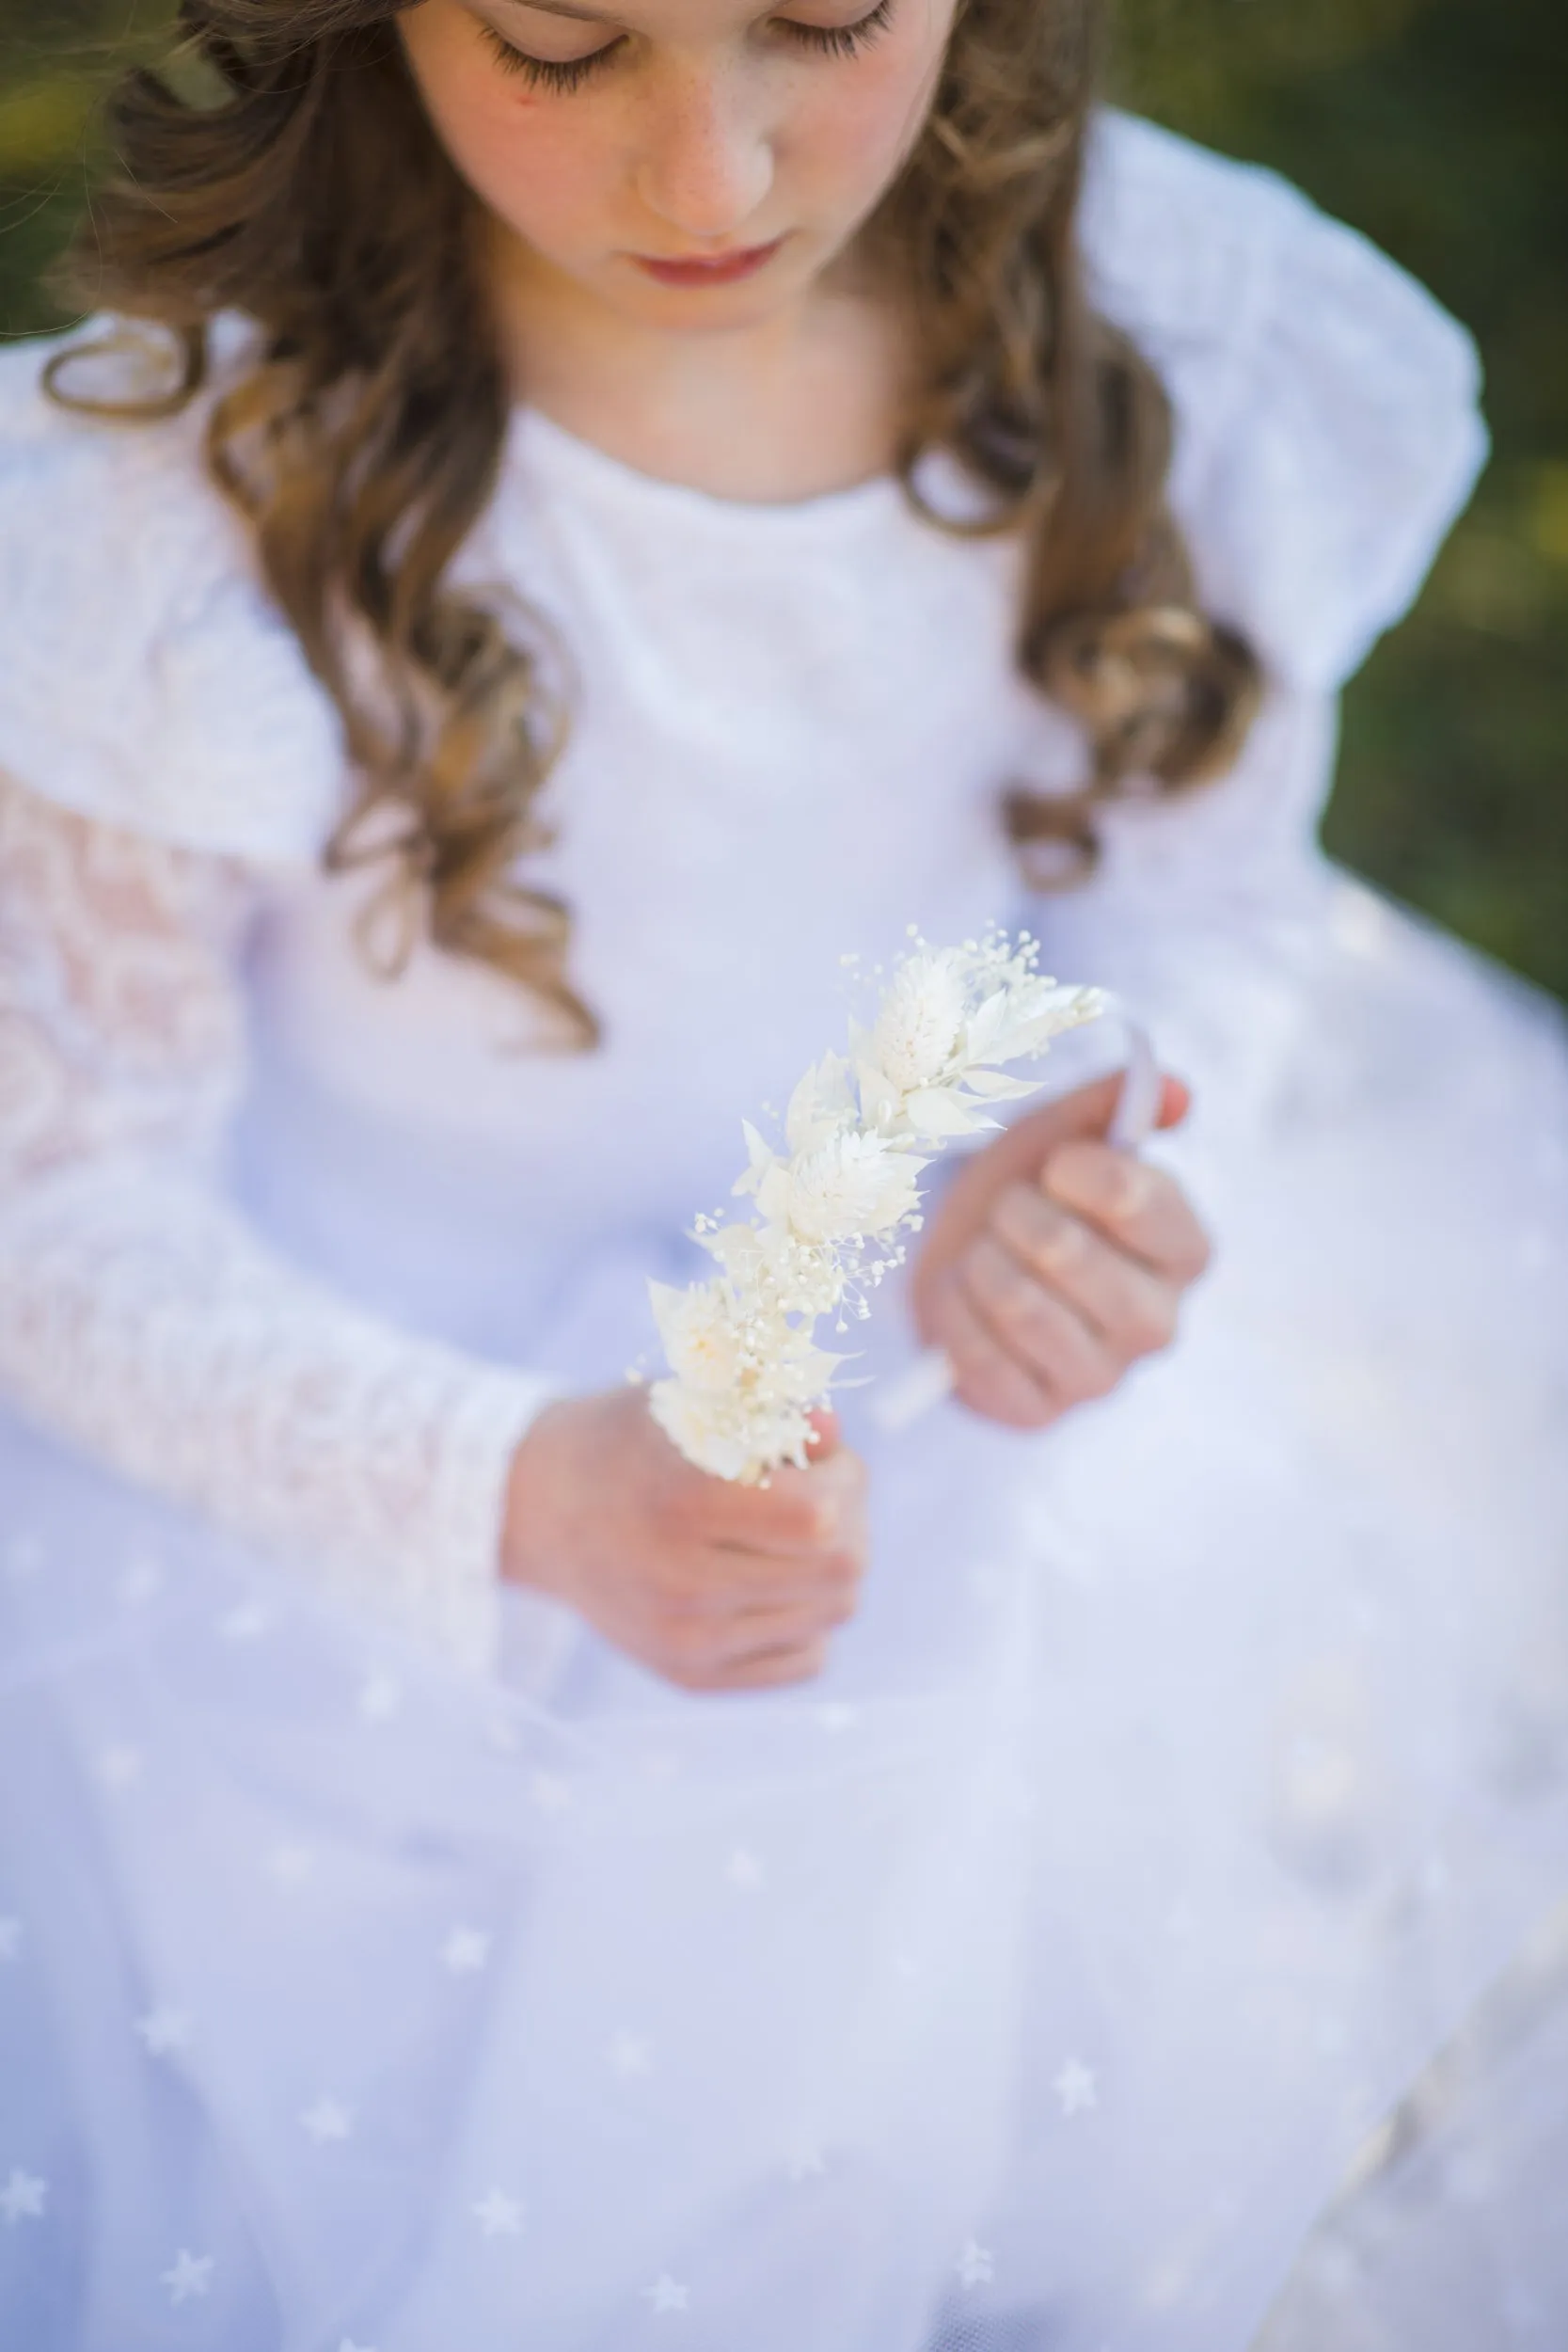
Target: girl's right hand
[713,1585]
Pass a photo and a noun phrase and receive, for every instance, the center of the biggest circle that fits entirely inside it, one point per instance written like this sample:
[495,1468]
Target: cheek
[861,124]
[534,163]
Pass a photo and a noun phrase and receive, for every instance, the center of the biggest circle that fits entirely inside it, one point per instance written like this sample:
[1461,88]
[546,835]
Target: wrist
[527,1509]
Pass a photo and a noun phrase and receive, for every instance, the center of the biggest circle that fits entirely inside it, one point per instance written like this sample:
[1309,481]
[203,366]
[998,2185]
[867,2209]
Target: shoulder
[1328,430]
[147,679]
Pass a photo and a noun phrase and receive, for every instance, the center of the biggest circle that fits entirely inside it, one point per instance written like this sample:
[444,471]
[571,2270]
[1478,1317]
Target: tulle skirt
[1149,1934]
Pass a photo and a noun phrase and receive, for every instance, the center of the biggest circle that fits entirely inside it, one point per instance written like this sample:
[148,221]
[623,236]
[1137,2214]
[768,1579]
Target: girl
[570,519]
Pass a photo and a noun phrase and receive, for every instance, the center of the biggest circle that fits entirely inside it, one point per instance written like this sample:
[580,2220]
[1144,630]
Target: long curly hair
[281,166]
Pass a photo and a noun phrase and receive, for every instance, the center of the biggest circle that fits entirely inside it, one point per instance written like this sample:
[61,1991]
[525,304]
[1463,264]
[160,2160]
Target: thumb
[827,1438]
[1084,1115]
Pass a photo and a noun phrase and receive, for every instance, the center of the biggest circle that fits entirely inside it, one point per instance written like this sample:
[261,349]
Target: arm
[140,1315]
[145,1320]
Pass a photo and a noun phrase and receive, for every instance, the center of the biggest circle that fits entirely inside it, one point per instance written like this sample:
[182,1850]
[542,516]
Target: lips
[717,269]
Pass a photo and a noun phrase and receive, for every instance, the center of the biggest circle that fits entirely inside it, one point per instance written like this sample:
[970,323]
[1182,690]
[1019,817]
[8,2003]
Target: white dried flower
[851,1184]
[920,1026]
[697,1326]
[745,1372]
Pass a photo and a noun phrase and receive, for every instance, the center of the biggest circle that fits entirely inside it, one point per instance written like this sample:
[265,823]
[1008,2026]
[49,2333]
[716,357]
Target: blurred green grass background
[1434,126]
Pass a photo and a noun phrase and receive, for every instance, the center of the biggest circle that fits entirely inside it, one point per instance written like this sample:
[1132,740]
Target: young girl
[571,520]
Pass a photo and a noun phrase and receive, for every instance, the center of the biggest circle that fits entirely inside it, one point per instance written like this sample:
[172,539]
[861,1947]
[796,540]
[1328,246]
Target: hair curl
[297,181]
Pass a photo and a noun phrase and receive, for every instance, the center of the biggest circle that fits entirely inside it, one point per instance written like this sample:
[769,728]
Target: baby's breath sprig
[833,1205]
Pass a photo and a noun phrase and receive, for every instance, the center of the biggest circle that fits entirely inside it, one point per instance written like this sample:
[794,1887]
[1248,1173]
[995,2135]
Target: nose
[706,161]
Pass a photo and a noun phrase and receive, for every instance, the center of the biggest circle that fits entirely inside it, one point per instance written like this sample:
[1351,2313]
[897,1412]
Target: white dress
[384,1962]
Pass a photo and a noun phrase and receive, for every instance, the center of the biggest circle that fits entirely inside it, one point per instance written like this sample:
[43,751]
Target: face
[694,165]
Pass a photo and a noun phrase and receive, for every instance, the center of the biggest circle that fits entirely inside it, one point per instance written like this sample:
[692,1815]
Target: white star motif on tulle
[465,1951]
[667,2294]
[327,2119]
[143,1581]
[629,2053]
[380,1697]
[550,1792]
[836,1716]
[120,1767]
[976,2265]
[22,2197]
[289,1864]
[10,1938]
[1075,2087]
[163,2030]
[499,2215]
[245,1622]
[190,2275]
[348,2345]
[806,2163]
[743,1869]
[23,1556]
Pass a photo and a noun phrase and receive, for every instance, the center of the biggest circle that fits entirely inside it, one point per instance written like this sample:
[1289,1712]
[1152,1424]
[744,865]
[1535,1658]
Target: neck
[797,401]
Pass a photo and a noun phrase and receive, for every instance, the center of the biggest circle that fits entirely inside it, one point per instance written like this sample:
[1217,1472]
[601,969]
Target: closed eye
[833,40]
[567,74]
[839,40]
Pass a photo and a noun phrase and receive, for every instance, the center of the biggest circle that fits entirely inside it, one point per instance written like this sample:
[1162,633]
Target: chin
[708,310]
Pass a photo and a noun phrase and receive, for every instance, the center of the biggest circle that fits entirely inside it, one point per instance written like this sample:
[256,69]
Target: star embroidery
[499,2215]
[465,1951]
[667,2294]
[1075,2089]
[328,2119]
[289,1864]
[976,2265]
[245,1622]
[628,2054]
[163,2030]
[191,2274]
[806,2163]
[836,1716]
[744,1869]
[142,1582]
[550,1792]
[120,1766]
[348,2345]
[10,1938]
[23,1556]
[22,2198]
[380,1697]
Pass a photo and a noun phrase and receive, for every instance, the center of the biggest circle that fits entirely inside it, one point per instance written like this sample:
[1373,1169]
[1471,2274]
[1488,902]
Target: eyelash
[832,40]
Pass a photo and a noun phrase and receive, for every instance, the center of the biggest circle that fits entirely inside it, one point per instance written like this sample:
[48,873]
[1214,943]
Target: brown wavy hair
[281,165]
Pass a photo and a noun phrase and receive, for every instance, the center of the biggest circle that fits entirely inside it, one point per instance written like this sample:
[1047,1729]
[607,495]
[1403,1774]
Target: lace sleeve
[140,1315]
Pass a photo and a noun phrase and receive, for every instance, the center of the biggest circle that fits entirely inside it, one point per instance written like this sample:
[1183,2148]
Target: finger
[1141,1208]
[1131,1310]
[762,1669]
[762,1632]
[985,1375]
[797,1512]
[725,1582]
[1059,1350]
[774,1669]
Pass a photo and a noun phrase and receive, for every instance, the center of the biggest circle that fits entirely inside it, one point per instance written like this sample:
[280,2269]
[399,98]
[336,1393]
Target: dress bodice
[790,727]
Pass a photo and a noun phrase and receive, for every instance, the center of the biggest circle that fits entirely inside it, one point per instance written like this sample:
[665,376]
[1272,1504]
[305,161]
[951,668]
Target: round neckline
[530,430]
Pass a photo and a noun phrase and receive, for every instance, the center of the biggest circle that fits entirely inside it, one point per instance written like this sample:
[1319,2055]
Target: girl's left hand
[1054,1262]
